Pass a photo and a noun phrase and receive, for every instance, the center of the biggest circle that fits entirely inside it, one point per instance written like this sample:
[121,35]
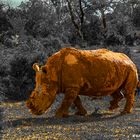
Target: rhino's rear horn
[35,67]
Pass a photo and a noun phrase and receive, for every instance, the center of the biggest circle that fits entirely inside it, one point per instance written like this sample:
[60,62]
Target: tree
[77,16]
[4,23]
[136,16]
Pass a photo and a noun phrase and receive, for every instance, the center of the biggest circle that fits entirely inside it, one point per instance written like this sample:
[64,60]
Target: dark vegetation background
[35,29]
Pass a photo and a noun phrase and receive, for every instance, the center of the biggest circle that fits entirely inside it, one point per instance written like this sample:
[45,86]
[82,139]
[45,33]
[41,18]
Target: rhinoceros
[75,72]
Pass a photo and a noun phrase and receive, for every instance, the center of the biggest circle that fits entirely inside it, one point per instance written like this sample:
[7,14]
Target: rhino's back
[99,54]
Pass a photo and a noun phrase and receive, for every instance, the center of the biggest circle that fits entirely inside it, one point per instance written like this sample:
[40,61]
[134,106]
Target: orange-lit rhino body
[83,72]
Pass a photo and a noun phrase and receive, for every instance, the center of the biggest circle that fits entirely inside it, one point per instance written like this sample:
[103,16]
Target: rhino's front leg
[81,110]
[70,96]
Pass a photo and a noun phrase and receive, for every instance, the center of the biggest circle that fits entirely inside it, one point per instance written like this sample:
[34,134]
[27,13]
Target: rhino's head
[44,93]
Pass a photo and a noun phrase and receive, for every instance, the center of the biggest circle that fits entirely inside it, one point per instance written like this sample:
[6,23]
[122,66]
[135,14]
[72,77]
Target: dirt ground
[18,124]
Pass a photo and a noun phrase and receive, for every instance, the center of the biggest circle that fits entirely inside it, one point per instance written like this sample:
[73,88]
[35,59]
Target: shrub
[113,39]
[92,32]
[16,73]
[136,16]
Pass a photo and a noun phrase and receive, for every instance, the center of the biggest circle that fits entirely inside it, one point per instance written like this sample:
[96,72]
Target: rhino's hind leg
[129,93]
[70,95]
[81,110]
[117,96]
[129,102]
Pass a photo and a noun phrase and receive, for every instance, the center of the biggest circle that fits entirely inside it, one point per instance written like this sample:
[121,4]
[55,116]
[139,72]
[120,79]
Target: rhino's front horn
[36,67]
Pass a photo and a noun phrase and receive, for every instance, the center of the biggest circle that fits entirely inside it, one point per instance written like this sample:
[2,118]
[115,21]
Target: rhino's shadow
[55,121]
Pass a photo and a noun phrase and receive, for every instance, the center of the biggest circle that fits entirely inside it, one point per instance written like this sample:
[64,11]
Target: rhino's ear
[43,68]
[35,67]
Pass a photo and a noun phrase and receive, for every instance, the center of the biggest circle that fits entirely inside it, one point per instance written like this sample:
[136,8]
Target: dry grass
[18,124]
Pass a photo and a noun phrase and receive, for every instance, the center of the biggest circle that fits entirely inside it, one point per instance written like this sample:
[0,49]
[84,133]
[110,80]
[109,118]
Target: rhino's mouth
[33,109]
[35,112]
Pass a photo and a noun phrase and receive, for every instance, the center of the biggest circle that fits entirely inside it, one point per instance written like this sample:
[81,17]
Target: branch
[73,20]
[103,18]
[72,15]
[82,12]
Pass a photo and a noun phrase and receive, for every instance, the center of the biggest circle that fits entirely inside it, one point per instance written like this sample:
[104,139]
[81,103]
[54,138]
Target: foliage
[38,28]
[17,76]
[136,16]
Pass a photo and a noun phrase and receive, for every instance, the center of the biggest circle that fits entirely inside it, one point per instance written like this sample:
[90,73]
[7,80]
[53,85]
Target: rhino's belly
[97,92]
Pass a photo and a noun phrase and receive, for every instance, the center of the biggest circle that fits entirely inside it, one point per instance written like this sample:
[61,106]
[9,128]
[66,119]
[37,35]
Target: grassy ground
[18,124]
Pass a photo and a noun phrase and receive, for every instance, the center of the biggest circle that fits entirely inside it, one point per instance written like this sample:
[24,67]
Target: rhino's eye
[45,71]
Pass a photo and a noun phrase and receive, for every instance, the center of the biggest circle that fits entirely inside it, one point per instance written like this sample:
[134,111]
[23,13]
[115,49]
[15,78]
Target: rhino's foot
[112,107]
[81,113]
[126,112]
[61,115]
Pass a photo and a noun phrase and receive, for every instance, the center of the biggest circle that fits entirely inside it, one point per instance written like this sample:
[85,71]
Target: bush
[19,81]
[92,32]
[16,73]
[136,16]
[21,72]
[113,40]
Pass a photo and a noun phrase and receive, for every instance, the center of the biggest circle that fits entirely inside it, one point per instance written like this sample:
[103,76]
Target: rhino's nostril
[40,111]
[31,104]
